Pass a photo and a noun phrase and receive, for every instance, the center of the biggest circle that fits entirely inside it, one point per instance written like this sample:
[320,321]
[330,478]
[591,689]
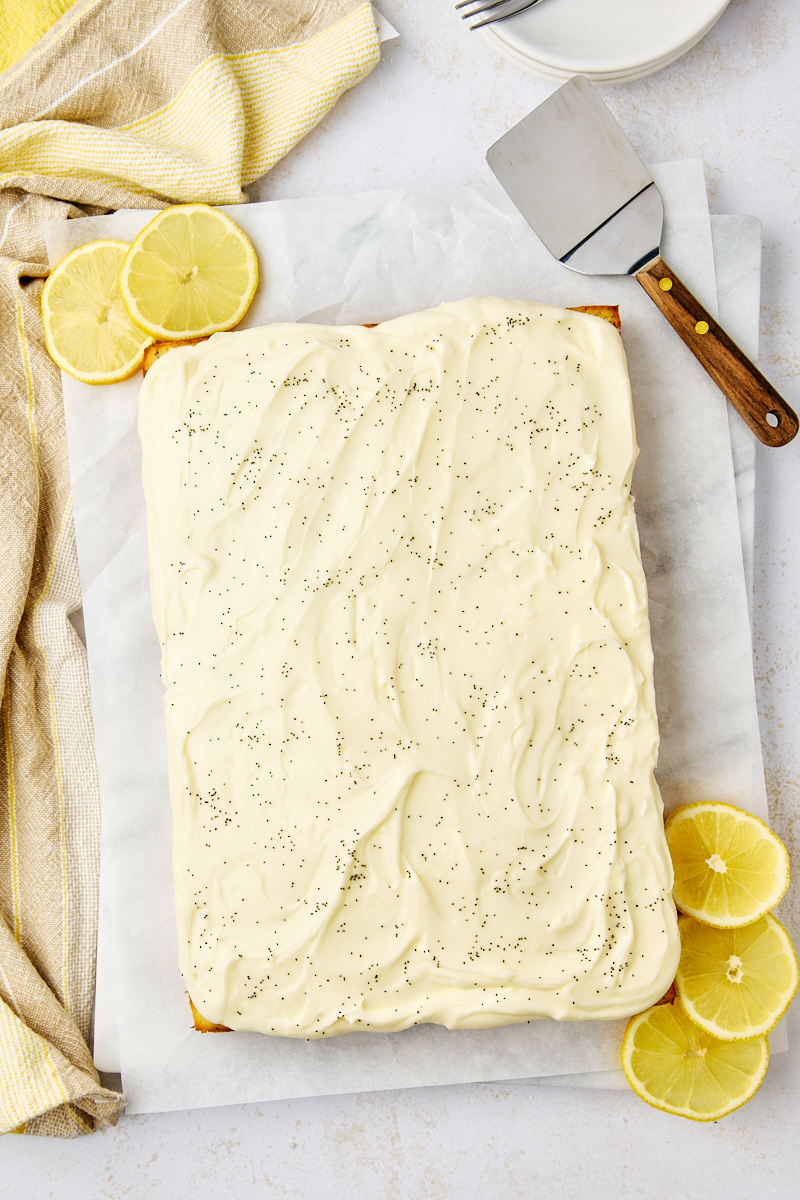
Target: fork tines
[497,10]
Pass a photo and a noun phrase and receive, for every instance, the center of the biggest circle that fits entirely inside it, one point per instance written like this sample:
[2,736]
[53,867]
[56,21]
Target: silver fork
[505,9]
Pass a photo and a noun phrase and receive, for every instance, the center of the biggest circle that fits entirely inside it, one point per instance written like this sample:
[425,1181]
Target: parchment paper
[368,258]
[737,257]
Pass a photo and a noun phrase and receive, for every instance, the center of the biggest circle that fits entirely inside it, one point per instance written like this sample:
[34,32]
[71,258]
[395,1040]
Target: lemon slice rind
[736,984]
[753,864]
[87,330]
[189,273]
[678,1068]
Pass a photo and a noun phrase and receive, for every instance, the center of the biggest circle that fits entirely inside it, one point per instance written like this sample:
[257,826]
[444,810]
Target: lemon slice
[674,1065]
[87,329]
[191,272]
[736,983]
[730,869]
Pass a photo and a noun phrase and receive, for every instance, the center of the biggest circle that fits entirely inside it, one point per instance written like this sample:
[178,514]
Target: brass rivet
[665,284]
[701,327]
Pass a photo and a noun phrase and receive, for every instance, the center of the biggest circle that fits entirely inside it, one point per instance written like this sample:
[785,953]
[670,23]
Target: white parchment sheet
[369,258]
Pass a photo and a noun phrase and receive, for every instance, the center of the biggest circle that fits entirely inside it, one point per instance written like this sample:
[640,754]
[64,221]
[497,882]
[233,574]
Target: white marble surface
[426,116]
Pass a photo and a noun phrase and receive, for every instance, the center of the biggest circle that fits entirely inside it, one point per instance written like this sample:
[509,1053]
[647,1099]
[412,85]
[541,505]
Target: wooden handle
[753,396]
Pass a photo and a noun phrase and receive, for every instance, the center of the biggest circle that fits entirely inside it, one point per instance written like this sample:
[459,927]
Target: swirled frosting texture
[409,698]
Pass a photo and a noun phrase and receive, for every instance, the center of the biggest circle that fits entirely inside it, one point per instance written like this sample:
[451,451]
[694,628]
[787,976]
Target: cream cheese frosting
[409,682]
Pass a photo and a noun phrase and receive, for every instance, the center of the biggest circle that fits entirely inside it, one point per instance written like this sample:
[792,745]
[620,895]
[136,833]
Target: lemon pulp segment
[730,868]
[189,273]
[87,329]
[674,1065]
[736,983]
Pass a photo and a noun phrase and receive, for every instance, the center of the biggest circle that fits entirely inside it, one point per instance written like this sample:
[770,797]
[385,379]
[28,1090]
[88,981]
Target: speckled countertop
[426,115]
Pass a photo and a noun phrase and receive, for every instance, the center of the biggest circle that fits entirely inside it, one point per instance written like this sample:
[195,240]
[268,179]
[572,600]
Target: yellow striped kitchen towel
[122,103]
[24,24]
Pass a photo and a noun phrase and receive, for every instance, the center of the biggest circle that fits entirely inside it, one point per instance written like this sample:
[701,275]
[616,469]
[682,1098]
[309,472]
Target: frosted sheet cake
[409,689]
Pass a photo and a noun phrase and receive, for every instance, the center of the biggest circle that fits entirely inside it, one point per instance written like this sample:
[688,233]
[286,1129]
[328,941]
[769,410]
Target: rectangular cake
[409,681]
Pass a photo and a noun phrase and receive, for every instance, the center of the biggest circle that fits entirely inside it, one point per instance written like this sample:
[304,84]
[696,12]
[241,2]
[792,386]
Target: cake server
[582,187]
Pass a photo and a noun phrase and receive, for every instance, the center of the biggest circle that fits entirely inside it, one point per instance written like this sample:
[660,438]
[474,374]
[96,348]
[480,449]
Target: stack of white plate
[608,41]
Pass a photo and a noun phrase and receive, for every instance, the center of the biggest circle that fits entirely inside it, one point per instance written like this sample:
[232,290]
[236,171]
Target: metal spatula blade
[580,184]
[582,187]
